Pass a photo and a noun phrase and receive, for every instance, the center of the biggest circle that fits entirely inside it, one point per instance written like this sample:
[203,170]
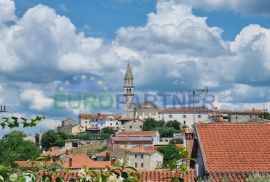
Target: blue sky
[101,18]
[98,18]
[172,45]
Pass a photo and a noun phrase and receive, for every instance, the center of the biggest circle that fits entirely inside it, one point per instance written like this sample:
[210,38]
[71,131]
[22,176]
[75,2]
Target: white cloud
[174,50]
[173,28]
[248,7]
[37,99]
[7,11]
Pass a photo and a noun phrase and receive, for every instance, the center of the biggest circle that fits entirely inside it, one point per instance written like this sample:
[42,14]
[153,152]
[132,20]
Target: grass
[88,148]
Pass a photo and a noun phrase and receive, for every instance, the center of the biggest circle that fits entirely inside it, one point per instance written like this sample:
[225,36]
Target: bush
[167,132]
[177,141]
[107,130]
[173,124]
[170,153]
[149,124]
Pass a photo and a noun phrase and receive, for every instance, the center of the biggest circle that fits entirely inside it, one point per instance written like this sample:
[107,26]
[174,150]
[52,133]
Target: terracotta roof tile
[235,147]
[137,133]
[122,139]
[184,109]
[98,116]
[78,162]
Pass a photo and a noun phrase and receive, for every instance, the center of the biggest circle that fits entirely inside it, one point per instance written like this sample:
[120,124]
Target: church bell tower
[129,92]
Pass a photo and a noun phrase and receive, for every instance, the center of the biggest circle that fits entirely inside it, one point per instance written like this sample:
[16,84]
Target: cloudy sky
[171,45]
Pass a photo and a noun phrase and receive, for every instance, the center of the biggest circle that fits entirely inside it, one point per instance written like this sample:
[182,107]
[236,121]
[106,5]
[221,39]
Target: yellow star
[61,88]
[100,82]
[74,78]
[67,82]
[83,77]
[92,78]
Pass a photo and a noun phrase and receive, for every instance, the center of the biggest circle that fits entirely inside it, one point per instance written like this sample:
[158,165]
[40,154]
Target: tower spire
[128,92]
[128,74]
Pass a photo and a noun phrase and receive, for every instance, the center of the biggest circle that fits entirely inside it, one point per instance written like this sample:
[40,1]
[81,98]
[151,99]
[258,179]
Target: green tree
[167,131]
[177,141]
[13,147]
[173,124]
[149,124]
[265,115]
[107,130]
[51,138]
[170,153]
[160,123]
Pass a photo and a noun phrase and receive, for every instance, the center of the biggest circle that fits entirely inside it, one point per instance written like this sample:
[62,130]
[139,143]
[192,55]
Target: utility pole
[193,95]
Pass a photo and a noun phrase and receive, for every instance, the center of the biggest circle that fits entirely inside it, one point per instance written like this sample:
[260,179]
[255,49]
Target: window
[130,127]
[85,121]
[111,124]
[141,164]
[136,165]
[199,116]
[140,126]
[184,122]
[135,155]
[170,116]
[184,116]
[141,156]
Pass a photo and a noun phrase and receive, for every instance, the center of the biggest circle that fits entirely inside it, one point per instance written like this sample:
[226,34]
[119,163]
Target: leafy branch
[14,122]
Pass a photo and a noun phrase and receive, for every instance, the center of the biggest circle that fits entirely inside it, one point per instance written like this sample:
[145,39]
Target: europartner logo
[86,90]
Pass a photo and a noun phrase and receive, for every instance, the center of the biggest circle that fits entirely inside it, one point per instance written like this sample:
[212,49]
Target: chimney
[70,162]
[113,160]
[196,170]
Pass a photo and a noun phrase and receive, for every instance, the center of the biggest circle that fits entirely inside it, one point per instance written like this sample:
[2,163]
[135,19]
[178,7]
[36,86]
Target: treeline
[166,129]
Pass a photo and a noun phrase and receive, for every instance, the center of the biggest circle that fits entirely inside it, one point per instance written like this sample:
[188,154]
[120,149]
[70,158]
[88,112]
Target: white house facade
[184,115]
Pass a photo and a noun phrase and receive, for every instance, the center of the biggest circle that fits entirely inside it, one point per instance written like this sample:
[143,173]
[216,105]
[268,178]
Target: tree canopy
[149,124]
[107,130]
[52,138]
[265,115]
[174,124]
[13,147]
[170,153]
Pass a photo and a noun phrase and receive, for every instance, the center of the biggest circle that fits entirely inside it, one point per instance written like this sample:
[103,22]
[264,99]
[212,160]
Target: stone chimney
[70,162]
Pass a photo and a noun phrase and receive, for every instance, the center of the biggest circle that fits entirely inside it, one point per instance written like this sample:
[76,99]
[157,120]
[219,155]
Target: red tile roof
[123,139]
[99,116]
[103,153]
[141,149]
[125,119]
[184,109]
[235,147]
[78,162]
[137,133]
[53,153]
[252,112]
